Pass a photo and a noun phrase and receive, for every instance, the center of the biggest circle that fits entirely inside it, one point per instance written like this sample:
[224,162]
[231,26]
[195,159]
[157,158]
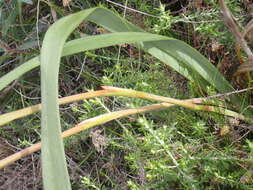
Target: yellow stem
[110,91]
[98,120]
[113,91]
[189,103]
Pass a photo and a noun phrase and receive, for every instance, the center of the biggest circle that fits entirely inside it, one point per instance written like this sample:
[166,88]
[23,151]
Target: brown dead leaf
[233,121]
[66,2]
[100,30]
[197,3]
[224,130]
[216,46]
[98,140]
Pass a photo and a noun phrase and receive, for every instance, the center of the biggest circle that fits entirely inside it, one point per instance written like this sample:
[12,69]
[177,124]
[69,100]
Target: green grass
[143,143]
[141,150]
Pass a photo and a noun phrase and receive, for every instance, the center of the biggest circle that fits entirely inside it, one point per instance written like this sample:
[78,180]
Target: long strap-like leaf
[54,168]
[175,53]
[80,45]
[55,175]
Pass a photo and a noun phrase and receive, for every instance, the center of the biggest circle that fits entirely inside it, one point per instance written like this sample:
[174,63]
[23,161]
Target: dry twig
[233,27]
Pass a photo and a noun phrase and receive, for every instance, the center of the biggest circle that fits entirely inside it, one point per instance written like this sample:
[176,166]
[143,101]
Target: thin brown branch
[248,29]
[222,95]
[233,27]
[134,10]
[7,89]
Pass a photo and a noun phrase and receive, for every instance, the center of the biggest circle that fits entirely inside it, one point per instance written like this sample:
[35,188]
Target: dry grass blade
[184,103]
[98,120]
[8,117]
[113,91]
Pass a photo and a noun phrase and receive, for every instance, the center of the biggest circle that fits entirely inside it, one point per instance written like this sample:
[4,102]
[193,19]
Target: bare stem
[113,91]
[233,27]
[98,120]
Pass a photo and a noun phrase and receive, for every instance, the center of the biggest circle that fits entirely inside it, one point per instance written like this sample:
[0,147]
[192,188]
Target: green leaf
[80,45]
[55,175]
[175,53]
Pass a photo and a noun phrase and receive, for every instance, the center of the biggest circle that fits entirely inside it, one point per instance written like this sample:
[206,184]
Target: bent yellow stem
[98,120]
[108,91]
[113,91]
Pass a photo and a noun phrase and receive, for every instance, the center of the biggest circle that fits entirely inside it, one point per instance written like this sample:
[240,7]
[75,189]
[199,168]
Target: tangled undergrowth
[170,149]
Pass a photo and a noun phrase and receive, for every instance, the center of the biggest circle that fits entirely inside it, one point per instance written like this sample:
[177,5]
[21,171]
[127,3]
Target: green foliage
[200,166]
[165,21]
[169,149]
[189,137]
[87,183]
